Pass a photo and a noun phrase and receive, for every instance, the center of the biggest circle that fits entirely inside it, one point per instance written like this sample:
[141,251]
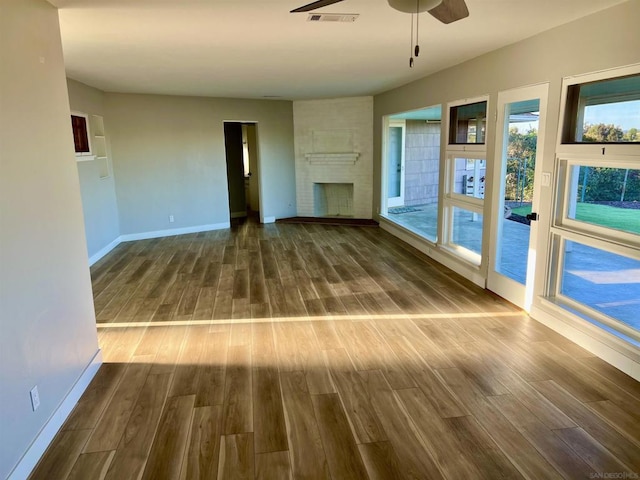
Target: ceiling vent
[333,17]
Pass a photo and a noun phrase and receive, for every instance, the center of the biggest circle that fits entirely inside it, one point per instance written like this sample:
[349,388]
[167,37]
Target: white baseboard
[30,459]
[602,344]
[157,234]
[102,252]
[174,231]
[269,220]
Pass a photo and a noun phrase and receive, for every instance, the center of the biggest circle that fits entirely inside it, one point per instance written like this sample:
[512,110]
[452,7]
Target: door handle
[533,216]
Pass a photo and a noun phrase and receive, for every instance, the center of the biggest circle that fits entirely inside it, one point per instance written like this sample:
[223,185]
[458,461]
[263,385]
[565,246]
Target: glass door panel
[395,166]
[518,139]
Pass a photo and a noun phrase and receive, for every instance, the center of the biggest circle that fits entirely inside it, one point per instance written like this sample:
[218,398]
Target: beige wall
[99,203]
[169,158]
[48,334]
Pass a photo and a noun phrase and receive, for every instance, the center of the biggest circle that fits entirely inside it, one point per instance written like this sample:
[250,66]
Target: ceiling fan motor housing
[413,6]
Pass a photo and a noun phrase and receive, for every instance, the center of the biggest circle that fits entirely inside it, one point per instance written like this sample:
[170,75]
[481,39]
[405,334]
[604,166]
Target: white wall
[601,41]
[48,334]
[169,159]
[99,203]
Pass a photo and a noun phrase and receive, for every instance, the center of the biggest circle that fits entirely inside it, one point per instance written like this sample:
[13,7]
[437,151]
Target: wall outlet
[35,398]
[170,218]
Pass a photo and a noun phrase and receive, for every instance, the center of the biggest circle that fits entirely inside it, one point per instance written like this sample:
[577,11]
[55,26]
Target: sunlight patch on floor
[323,318]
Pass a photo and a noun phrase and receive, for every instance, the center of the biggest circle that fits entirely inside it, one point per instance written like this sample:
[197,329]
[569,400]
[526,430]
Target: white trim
[40,444]
[103,251]
[586,149]
[439,254]
[590,337]
[173,231]
[156,234]
[269,220]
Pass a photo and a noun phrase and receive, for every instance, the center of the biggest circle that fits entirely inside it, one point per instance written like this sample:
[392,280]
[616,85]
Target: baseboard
[102,252]
[35,451]
[269,220]
[174,231]
[602,344]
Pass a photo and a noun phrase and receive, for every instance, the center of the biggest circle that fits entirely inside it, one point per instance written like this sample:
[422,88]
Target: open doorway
[240,139]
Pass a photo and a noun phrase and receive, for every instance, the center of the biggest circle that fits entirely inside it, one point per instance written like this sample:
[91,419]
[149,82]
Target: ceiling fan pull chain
[417,49]
[411,46]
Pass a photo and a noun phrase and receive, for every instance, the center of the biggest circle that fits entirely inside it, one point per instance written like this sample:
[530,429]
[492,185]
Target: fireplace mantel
[346,158]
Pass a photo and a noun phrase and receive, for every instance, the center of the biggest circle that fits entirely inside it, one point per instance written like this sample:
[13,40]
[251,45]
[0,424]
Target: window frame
[563,228]
[557,263]
[593,149]
[83,156]
[451,199]
[467,147]
[563,222]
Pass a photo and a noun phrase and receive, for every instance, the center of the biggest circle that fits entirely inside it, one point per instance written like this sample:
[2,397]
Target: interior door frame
[513,291]
[399,200]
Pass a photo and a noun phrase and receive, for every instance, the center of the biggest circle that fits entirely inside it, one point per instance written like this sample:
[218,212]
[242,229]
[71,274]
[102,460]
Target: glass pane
[469,177]
[608,197]
[604,281]
[395,161]
[467,123]
[418,209]
[606,111]
[518,168]
[467,230]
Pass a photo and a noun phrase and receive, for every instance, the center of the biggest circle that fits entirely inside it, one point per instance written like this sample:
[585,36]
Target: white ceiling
[256,48]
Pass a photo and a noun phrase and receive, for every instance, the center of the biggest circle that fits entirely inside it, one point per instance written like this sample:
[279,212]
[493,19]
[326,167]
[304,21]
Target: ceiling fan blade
[450,11]
[315,5]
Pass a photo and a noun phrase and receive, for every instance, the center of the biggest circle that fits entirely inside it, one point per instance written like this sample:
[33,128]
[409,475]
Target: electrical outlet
[35,398]
[170,218]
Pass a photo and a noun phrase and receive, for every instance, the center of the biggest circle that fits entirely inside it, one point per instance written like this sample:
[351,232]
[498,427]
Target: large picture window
[411,171]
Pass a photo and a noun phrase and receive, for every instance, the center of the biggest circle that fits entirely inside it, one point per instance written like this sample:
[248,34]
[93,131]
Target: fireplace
[333,199]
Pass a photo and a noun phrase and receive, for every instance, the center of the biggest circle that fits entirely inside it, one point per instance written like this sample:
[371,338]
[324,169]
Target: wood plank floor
[310,351]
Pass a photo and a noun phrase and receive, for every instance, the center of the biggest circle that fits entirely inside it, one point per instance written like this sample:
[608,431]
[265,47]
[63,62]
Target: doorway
[395,163]
[241,150]
[519,142]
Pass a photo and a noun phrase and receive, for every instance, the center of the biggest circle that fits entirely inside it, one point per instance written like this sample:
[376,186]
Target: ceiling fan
[447,11]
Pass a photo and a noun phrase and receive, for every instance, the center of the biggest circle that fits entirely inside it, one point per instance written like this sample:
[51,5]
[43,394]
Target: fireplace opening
[333,199]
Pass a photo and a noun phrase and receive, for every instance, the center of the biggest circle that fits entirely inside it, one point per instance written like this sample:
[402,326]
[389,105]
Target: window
[465,179]
[467,123]
[411,171]
[605,196]
[600,285]
[595,261]
[80,134]
[464,205]
[603,111]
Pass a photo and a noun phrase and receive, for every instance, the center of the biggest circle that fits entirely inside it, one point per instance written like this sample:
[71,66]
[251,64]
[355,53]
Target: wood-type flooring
[311,351]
